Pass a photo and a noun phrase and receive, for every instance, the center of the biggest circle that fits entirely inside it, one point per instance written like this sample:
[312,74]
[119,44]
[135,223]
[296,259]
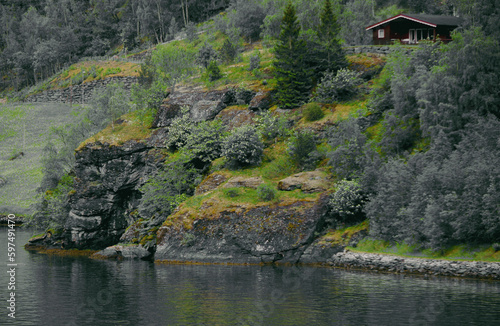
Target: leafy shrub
[337,87]
[348,155]
[272,126]
[179,130]
[167,189]
[206,54]
[53,211]
[188,239]
[213,71]
[303,150]
[109,103]
[227,52]
[266,192]
[147,72]
[243,147]
[313,112]
[247,17]
[347,202]
[231,192]
[146,99]
[191,31]
[205,141]
[254,62]
[111,71]
[172,63]
[173,28]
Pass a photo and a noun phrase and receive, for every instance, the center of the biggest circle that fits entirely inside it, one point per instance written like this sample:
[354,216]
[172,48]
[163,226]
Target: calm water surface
[54,290]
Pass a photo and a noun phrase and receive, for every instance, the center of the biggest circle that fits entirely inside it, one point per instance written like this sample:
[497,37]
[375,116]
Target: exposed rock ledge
[395,264]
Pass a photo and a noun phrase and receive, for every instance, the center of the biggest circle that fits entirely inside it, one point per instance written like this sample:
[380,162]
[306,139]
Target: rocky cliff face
[106,196]
[107,185]
[243,234]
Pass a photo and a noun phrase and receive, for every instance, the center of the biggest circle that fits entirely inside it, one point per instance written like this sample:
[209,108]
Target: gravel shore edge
[408,265]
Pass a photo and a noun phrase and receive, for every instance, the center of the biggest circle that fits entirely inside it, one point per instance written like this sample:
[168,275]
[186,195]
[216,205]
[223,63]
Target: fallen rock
[261,101]
[309,182]
[234,117]
[202,105]
[237,182]
[210,183]
[123,252]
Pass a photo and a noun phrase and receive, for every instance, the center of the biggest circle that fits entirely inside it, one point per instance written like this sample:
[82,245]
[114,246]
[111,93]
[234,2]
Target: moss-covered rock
[308,182]
[265,233]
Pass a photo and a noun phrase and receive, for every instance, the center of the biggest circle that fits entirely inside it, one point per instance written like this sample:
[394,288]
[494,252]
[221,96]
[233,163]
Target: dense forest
[39,37]
[421,162]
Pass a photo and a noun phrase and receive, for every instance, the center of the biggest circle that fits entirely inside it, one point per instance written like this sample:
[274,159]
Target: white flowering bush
[272,127]
[243,147]
[347,202]
[337,86]
[204,143]
[179,130]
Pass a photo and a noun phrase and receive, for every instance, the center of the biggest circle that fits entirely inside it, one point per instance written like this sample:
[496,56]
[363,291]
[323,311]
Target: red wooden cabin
[410,28]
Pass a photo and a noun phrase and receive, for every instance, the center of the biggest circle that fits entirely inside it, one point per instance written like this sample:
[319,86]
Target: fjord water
[52,290]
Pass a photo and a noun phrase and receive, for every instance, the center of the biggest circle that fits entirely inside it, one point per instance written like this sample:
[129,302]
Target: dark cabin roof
[429,20]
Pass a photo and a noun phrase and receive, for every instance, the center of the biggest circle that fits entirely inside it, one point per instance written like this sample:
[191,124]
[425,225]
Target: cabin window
[381,33]
[421,34]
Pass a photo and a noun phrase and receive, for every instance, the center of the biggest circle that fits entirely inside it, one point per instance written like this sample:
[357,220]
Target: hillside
[236,149]
[26,129]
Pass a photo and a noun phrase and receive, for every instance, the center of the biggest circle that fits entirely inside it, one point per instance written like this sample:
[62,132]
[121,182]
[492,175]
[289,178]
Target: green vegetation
[243,147]
[313,112]
[266,192]
[303,150]
[412,140]
[337,87]
[347,202]
[292,75]
[26,129]
[458,252]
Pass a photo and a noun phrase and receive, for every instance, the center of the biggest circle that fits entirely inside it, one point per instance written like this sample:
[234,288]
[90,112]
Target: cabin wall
[386,33]
[399,31]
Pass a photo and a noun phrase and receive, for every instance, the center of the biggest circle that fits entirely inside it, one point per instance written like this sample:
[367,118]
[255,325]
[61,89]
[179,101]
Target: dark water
[54,290]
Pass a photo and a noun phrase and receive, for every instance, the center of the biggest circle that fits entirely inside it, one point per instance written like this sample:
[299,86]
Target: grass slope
[25,128]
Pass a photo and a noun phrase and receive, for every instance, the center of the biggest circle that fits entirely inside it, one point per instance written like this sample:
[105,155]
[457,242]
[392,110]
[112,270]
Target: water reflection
[76,291]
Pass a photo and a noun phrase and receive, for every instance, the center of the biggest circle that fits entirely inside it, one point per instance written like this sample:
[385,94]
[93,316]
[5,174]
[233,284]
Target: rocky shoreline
[4,219]
[338,257]
[408,265]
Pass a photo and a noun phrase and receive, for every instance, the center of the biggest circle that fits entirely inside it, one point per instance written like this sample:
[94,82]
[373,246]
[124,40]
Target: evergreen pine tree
[329,36]
[292,74]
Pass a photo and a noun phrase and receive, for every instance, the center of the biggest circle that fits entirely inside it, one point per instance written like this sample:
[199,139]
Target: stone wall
[395,264]
[376,49]
[79,93]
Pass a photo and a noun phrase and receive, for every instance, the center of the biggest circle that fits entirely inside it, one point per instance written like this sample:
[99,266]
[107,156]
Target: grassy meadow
[26,128]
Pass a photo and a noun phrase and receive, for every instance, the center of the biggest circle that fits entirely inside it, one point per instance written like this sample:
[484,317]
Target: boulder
[242,233]
[210,183]
[202,105]
[309,182]
[243,96]
[118,251]
[236,182]
[234,117]
[261,101]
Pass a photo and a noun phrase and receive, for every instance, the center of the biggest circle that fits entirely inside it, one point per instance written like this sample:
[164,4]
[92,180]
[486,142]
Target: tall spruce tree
[329,30]
[292,73]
